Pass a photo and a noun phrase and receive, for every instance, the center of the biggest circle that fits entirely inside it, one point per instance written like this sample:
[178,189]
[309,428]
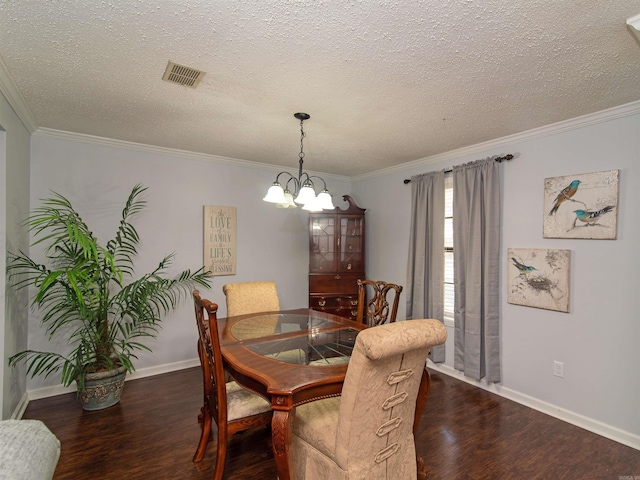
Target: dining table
[289,357]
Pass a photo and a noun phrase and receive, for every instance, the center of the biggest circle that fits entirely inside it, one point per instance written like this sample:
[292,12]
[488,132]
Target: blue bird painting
[524,269]
[589,217]
[566,193]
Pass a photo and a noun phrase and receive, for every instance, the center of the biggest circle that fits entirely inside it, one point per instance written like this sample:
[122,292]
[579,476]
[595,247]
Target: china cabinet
[336,259]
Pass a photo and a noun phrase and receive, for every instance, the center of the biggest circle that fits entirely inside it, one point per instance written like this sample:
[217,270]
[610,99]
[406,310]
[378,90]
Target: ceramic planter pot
[102,389]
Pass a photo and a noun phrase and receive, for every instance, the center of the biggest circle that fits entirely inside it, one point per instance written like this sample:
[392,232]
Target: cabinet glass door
[351,243]
[322,257]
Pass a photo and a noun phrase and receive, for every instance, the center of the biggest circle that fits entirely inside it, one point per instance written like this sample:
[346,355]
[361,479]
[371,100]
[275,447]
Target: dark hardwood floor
[466,433]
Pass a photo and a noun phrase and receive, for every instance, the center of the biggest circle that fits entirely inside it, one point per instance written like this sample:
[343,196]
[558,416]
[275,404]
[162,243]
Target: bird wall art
[581,206]
[539,278]
[524,269]
[591,218]
[566,194]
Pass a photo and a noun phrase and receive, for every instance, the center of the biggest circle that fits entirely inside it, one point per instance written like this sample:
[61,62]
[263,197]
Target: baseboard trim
[21,407]
[52,391]
[612,433]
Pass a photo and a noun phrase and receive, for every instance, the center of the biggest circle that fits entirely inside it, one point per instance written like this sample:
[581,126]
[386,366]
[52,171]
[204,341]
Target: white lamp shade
[634,23]
[289,197]
[313,205]
[306,195]
[324,198]
[289,203]
[275,194]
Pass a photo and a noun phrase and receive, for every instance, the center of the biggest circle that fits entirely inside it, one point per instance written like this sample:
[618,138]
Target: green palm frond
[86,292]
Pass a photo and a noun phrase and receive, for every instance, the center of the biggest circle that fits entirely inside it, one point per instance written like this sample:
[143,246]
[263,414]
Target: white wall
[599,340]
[14,206]
[97,175]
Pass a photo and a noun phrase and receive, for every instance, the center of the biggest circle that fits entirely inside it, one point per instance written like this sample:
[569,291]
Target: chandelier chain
[302,135]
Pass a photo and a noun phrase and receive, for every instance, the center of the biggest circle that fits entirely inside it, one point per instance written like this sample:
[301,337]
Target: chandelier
[301,190]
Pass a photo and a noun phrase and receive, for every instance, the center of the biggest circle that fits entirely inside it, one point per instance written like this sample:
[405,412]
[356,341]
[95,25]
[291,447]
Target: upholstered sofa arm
[376,343]
[28,450]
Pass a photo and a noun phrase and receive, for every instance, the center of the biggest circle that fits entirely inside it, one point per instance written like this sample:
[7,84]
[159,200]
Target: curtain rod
[497,159]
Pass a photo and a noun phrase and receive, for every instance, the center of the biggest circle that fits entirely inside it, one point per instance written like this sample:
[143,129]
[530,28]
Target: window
[449,294]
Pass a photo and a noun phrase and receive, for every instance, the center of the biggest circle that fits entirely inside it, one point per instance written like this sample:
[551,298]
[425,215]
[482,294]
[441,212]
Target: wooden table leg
[281,440]
[421,401]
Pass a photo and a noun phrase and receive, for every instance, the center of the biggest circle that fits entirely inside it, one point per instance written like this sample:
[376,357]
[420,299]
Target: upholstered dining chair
[257,297]
[251,297]
[369,432]
[373,306]
[230,406]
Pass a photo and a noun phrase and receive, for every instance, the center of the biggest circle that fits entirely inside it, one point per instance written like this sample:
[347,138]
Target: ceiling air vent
[187,76]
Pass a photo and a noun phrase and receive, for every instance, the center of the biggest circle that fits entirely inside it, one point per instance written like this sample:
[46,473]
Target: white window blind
[448,251]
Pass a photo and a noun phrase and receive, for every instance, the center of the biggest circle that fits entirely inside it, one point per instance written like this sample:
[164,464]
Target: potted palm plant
[87,295]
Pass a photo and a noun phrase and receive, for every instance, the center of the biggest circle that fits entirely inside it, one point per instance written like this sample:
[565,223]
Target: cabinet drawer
[343,305]
[334,283]
[343,301]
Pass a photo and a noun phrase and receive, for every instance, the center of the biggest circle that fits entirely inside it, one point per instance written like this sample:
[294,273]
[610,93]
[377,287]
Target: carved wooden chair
[233,408]
[251,297]
[369,432]
[373,306]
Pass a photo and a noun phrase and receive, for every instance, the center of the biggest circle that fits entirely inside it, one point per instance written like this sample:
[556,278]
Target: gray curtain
[425,267]
[476,250]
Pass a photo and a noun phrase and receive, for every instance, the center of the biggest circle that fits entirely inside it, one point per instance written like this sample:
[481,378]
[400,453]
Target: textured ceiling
[385,82]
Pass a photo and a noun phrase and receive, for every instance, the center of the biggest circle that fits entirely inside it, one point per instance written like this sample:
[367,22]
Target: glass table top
[264,325]
[299,339]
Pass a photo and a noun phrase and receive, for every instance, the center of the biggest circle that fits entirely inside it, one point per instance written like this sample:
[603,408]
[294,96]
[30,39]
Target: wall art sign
[539,278]
[220,240]
[581,206]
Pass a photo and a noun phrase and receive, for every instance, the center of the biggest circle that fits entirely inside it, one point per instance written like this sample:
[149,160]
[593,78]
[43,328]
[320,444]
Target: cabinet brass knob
[354,302]
[322,302]
[337,277]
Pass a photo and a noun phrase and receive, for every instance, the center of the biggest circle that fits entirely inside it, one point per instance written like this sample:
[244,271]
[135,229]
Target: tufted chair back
[368,433]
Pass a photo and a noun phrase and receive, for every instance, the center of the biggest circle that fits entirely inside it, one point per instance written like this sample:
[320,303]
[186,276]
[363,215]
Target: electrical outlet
[558,369]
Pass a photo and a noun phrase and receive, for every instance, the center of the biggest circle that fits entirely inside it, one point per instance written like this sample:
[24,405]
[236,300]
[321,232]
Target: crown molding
[499,143]
[9,89]
[11,92]
[174,152]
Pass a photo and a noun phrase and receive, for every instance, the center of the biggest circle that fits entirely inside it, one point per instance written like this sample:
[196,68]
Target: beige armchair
[368,433]
[251,297]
